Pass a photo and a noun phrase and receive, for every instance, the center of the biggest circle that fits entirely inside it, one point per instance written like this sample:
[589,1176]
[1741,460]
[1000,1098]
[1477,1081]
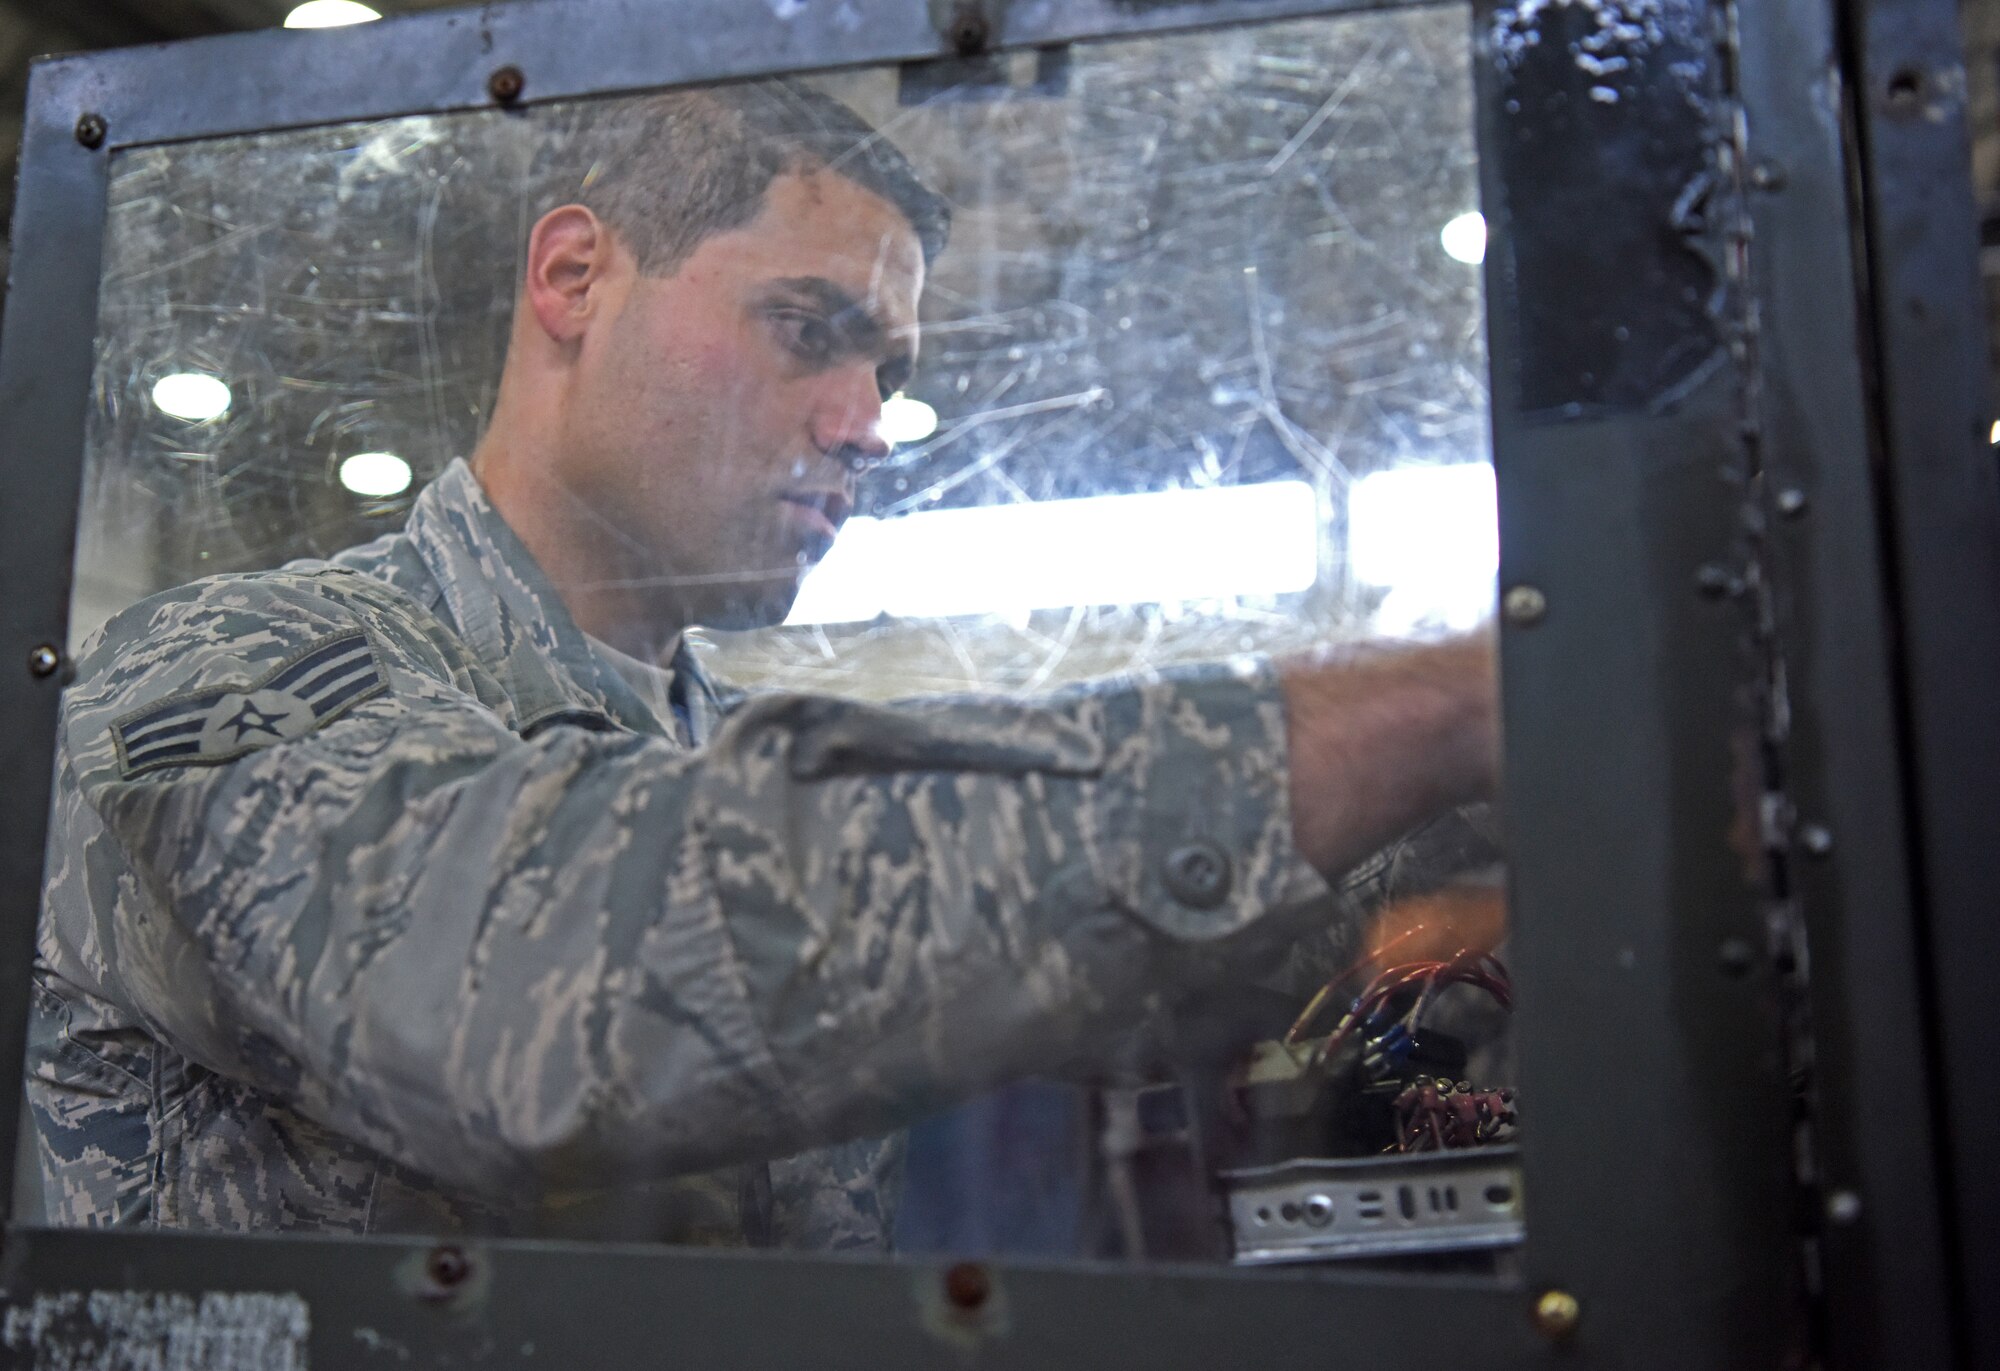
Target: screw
[967,1286]
[1524,605]
[506,85]
[1738,958]
[1843,1207]
[1557,1312]
[1816,839]
[969,30]
[447,1267]
[1791,502]
[44,660]
[90,130]
[1767,175]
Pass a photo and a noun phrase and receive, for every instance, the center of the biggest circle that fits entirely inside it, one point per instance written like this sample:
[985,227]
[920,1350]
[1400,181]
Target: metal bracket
[1322,1210]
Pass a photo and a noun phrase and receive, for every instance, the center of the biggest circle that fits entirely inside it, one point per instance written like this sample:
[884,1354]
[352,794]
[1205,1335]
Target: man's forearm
[1383,740]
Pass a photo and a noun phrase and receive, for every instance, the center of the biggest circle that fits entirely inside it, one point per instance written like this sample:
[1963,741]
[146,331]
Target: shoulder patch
[222,723]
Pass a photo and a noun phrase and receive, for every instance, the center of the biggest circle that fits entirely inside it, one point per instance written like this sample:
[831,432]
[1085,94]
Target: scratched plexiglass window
[1196,373]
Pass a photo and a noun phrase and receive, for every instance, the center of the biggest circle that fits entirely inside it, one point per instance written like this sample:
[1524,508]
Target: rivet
[506,84]
[1843,1207]
[967,1286]
[1524,605]
[1767,175]
[969,32]
[1557,1312]
[1791,502]
[91,129]
[1816,839]
[447,1267]
[44,659]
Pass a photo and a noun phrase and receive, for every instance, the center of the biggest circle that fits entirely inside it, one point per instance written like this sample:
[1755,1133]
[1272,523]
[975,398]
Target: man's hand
[1384,738]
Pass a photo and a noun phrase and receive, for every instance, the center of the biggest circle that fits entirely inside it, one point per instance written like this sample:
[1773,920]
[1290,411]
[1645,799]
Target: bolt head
[1524,605]
[91,130]
[1843,1207]
[1816,839]
[506,84]
[967,1285]
[44,659]
[1557,1313]
[447,1266]
[1791,502]
[969,31]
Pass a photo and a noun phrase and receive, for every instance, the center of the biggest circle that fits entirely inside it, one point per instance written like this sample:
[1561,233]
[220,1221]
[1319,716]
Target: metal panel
[422,63]
[1868,1187]
[1943,501]
[45,366]
[389,1304]
[1650,1074]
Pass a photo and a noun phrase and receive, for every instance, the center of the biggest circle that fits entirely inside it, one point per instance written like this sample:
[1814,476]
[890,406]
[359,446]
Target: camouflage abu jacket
[379,902]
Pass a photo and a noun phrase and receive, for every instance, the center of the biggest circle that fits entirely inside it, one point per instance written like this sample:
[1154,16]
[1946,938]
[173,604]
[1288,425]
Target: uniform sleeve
[580,956]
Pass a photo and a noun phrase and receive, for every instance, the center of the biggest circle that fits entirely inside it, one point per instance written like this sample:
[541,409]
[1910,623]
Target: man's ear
[571,252]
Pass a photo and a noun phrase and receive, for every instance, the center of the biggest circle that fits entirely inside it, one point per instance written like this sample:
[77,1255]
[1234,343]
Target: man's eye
[807,336]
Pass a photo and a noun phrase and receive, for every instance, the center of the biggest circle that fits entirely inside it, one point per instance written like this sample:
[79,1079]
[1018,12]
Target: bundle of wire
[1427,978]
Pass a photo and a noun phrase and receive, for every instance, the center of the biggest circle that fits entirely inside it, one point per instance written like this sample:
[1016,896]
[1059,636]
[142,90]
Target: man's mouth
[820,511]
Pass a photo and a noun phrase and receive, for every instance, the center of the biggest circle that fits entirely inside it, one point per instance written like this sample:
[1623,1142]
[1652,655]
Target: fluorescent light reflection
[1994,437]
[1432,536]
[1464,238]
[1173,545]
[191,396]
[329,14]
[906,421]
[376,474]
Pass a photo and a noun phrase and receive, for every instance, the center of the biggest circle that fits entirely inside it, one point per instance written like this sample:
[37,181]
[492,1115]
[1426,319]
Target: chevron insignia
[208,727]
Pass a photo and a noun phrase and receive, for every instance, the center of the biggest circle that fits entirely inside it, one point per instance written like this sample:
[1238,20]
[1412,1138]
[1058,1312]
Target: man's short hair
[669,170]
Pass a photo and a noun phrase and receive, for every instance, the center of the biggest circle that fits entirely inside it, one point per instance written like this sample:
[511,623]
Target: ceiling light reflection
[329,14]
[1464,238]
[1166,546]
[192,396]
[375,474]
[1431,536]
[906,421]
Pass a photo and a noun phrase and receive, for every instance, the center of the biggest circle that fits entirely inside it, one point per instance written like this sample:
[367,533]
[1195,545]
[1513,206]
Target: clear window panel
[766,733]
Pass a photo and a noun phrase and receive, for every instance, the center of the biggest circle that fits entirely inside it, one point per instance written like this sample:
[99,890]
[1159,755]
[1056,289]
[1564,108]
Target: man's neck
[612,595]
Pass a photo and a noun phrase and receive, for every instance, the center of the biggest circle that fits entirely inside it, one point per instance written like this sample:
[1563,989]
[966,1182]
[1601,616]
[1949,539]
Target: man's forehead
[820,225]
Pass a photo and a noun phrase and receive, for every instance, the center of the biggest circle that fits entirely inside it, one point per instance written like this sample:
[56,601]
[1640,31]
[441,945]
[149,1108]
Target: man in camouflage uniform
[433,888]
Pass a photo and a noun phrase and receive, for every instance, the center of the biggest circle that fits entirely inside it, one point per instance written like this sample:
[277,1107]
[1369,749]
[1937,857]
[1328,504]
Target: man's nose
[847,425]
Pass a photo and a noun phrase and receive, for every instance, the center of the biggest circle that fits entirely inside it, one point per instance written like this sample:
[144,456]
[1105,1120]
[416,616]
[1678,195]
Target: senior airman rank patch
[208,727]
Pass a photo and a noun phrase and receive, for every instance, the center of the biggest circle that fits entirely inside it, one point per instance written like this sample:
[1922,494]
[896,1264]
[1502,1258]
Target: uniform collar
[511,616]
